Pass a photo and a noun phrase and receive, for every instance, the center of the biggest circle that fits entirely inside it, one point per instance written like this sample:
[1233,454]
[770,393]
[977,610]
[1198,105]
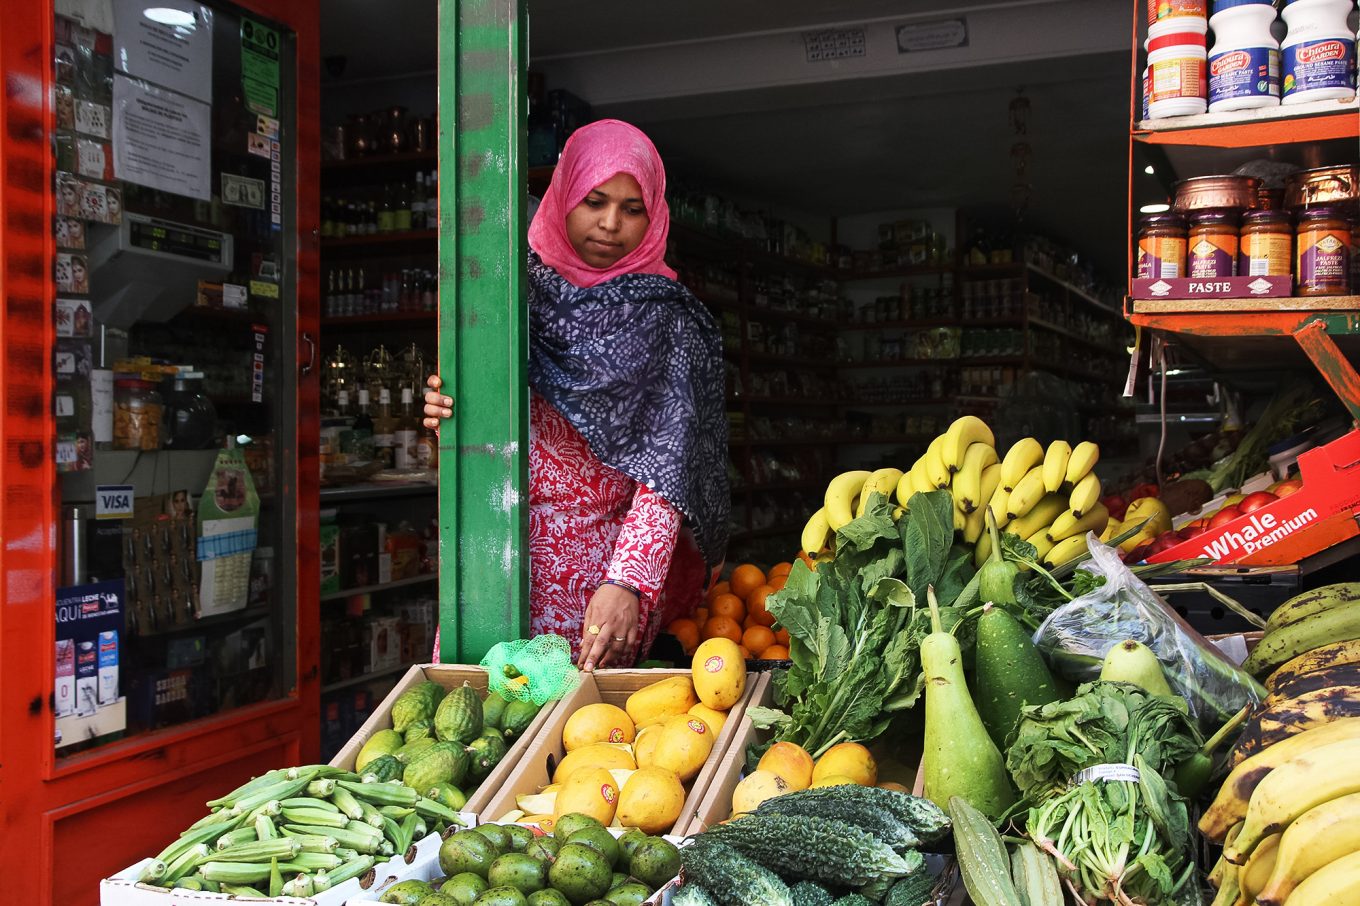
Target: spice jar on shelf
[137,413]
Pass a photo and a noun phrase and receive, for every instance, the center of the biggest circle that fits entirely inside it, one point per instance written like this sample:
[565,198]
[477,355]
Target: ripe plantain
[1040,516]
[1084,457]
[1223,865]
[1085,495]
[1230,805]
[817,533]
[881,481]
[1293,788]
[1026,494]
[840,497]
[1316,838]
[1327,678]
[1317,600]
[1337,884]
[1337,654]
[1253,875]
[1055,464]
[937,470]
[1339,624]
[1303,712]
[905,488]
[976,524]
[1024,455]
[1068,524]
[1228,891]
[967,484]
[963,433]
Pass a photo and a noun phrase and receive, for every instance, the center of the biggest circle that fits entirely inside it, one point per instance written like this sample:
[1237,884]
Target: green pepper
[1193,774]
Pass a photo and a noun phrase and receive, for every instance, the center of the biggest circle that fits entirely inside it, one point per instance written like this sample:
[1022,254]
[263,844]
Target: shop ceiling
[727,90]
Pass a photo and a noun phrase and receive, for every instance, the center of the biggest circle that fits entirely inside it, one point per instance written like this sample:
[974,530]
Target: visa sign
[113,501]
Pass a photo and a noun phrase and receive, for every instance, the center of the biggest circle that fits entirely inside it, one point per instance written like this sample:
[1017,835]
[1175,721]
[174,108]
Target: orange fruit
[750,621]
[780,569]
[722,628]
[746,579]
[686,631]
[728,606]
[811,563]
[781,635]
[701,616]
[778,582]
[755,605]
[745,652]
[776,653]
[721,588]
[757,639]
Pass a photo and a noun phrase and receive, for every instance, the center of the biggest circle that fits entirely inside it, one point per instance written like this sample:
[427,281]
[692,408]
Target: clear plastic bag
[1076,637]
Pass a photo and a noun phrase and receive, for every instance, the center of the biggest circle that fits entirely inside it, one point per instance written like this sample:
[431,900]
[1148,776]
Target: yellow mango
[719,673]
[789,761]
[544,822]
[600,755]
[589,791]
[661,700]
[599,722]
[644,746]
[714,719]
[651,800]
[849,759]
[833,780]
[684,746]
[755,788]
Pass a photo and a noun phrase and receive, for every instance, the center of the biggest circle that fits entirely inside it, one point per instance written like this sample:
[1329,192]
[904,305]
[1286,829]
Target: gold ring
[620,638]
[593,630]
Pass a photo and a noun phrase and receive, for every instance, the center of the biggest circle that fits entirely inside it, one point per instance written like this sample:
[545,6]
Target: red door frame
[64,826]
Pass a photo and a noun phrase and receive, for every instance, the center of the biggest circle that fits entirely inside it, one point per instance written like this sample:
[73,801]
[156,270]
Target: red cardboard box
[1321,514]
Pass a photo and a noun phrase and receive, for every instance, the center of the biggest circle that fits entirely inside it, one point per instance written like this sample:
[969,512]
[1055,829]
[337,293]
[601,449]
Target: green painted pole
[483,328]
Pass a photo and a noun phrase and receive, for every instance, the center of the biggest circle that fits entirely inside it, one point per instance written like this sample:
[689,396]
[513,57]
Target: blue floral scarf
[635,364]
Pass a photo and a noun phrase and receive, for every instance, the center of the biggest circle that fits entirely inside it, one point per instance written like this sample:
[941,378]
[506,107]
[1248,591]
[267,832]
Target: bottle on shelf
[401,209]
[361,432]
[387,212]
[418,202]
[407,432]
[385,430]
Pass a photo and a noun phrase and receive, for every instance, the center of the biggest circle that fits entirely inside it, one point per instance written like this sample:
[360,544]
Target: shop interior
[900,212]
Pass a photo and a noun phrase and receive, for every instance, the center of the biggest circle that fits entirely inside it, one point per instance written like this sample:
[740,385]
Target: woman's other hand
[614,612]
[437,406]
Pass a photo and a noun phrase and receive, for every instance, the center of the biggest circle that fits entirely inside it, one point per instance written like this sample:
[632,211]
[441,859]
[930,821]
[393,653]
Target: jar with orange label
[1324,253]
[1267,245]
[1162,240]
[1214,242]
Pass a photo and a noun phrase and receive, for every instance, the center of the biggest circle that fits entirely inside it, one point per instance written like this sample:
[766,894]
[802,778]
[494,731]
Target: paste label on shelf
[1169,9]
[1328,63]
[1214,256]
[1250,72]
[1182,77]
[1266,255]
[1324,261]
[1161,256]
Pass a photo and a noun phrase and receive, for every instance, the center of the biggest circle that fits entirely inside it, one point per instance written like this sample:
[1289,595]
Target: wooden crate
[534,770]
[450,676]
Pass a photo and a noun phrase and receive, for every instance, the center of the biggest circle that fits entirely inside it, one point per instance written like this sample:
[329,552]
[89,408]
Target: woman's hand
[614,612]
[437,406]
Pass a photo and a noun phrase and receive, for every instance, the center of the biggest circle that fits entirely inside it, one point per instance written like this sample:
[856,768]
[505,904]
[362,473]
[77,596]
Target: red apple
[1138,554]
[1285,488]
[1164,541]
[1224,516]
[1253,502]
[1192,529]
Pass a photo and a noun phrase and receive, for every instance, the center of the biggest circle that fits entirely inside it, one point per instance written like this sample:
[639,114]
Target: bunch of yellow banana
[1048,496]
[1289,819]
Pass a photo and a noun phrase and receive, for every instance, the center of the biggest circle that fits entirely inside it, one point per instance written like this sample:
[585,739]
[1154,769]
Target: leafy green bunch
[855,625]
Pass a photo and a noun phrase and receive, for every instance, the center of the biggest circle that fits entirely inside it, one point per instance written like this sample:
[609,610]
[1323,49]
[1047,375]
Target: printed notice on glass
[161,139]
[169,44]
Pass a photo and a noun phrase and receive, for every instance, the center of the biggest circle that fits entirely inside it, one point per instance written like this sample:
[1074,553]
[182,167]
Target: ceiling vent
[833,44]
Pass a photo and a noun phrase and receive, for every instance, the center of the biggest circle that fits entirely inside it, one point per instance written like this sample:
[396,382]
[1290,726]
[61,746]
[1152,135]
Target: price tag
[113,501]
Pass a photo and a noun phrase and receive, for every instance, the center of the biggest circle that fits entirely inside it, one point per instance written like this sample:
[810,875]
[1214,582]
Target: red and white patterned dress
[588,522]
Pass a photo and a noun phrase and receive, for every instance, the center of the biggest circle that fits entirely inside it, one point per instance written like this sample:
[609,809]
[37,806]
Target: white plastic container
[1244,64]
[1178,63]
[1318,52]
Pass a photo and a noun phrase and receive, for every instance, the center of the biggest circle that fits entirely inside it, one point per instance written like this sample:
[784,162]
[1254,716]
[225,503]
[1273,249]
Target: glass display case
[160,365]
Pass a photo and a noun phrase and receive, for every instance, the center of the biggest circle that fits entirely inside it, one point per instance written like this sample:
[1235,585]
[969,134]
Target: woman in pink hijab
[628,496]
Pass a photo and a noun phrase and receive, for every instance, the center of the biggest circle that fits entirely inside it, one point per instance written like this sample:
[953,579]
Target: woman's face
[609,222]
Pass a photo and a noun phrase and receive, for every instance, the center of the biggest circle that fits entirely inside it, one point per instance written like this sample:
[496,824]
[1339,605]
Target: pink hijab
[595,154]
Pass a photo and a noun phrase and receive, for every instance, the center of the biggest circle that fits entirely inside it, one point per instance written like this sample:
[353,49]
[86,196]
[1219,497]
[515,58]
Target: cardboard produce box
[1319,515]
[449,676]
[534,770]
